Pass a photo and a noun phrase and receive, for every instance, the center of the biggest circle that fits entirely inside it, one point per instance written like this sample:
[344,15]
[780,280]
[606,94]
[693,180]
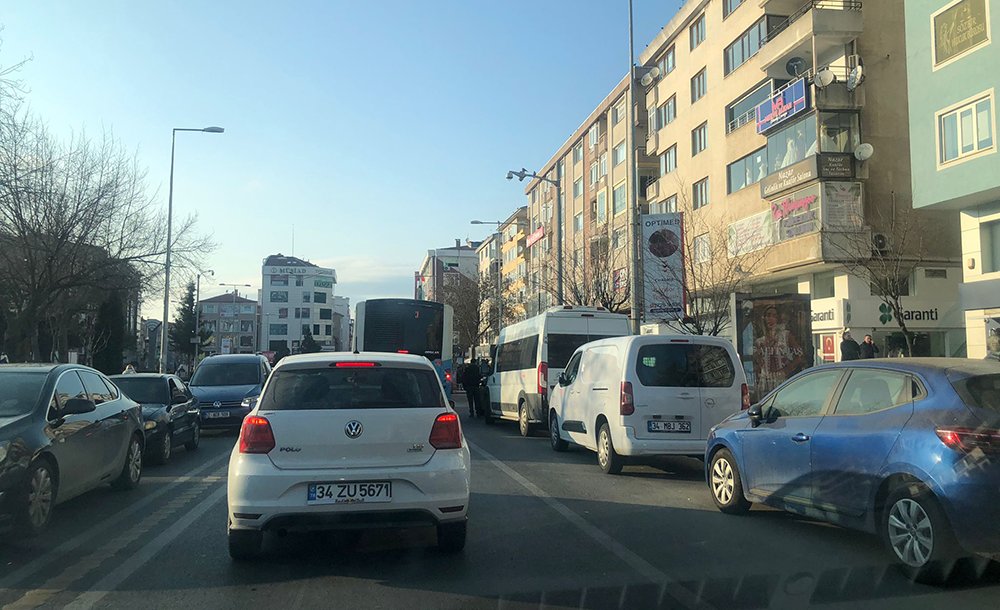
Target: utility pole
[637,284]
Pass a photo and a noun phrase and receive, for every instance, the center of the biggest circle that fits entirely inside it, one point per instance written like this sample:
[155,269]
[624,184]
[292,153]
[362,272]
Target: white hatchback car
[349,441]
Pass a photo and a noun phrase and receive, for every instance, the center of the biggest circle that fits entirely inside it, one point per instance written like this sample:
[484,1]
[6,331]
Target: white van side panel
[594,392]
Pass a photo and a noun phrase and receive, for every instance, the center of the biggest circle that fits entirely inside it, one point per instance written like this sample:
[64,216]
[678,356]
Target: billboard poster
[750,234]
[782,106]
[960,27]
[663,266]
[842,206]
[796,214]
[774,338]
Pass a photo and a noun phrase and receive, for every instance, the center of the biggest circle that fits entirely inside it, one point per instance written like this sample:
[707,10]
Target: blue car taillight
[966,440]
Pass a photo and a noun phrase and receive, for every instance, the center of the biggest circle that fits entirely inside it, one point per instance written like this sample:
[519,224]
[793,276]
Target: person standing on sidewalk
[470,381]
[849,349]
[867,349]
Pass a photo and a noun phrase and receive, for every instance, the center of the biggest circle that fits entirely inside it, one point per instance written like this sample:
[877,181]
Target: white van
[531,355]
[646,395]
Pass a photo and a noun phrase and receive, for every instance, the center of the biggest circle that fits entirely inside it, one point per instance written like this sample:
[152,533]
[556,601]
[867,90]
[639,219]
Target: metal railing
[781,26]
[742,120]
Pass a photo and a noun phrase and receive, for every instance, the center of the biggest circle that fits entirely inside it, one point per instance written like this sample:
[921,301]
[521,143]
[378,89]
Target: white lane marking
[115,520]
[205,479]
[129,566]
[649,571]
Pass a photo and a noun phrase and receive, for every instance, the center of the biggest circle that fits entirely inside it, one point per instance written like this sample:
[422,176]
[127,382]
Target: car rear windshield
[229,373]
[147,391]
[684,365]
[561,347]
[19,392]
[352,388]
[980,391]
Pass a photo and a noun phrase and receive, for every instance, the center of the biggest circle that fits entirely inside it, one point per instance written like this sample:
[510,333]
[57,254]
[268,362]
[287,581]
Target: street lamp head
[213,130]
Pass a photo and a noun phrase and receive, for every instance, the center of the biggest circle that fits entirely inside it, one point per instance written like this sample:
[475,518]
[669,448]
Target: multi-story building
[439,263]
[514,262]
[232,320]
[952,83]
[296,299]
[342,323]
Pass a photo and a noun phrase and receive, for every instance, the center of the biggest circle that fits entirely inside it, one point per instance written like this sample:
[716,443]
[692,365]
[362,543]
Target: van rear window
[981,391]
[684,365]
[351,388]
[561,347]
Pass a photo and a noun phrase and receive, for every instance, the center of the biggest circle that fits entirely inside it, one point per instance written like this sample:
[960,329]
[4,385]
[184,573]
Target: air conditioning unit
[880,242]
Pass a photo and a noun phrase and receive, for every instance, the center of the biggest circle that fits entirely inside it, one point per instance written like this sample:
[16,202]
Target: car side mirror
[452,403]
[78,406]
[178,399]
[756,414]
[563,381]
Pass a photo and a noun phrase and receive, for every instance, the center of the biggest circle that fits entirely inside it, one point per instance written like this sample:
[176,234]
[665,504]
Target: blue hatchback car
[905,448]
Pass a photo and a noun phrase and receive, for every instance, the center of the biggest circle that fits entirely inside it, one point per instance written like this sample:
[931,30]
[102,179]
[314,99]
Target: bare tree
[462,293]
[598,278]
[717,261]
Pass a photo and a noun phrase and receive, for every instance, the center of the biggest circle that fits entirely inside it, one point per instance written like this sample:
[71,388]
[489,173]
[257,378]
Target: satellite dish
[855,77]
[795,66]
[654,71]
[825,78]
[646,80]
[864,152]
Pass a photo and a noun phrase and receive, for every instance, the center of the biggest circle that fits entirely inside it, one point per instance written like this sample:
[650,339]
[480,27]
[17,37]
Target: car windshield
[980,391]
[226,373]
[144,390]
[352,388]
[19,392]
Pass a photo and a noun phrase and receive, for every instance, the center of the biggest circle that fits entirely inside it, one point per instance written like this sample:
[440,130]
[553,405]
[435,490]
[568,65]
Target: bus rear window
[352,388]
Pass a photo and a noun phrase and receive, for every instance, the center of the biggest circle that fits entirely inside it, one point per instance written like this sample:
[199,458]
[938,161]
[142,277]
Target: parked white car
[341,440]
[646,395]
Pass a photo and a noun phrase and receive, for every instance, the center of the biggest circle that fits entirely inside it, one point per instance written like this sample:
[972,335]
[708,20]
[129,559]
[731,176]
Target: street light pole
[170,219]
[197,315]
[637,284]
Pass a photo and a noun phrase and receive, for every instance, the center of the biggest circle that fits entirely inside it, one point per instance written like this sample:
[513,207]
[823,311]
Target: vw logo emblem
[353,429]
[217,404]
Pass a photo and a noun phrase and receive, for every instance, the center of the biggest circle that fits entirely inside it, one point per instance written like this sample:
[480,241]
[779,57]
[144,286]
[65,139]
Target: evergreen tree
[186,327]
[308,345]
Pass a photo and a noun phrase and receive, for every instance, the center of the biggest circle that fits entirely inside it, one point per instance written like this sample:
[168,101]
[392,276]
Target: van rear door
[668,403]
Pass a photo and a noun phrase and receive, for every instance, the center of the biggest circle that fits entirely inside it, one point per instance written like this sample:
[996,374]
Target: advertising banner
[750,234]
[774,339]
[663,266]
[789,177]
[797,214]
[958,28]
[842,206]
[782,106]
[536,236]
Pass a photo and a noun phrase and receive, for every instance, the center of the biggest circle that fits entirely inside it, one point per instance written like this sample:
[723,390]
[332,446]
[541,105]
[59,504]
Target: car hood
[224,393]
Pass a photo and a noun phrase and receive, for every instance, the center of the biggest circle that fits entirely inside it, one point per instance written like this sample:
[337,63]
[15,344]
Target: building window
[668,160]
[578,187]
[604,164]
[966,131]
[328,329]
[282,312]
[823,285]
[578,222]
[602,206]
[306,297]
[246,341]
[792,144]
[728,6]
[744,110]
[306,329]
[670,204]
[618,113]
[747,45]
[702,247]
[666,112]
[699,138]
[315,330]
[277,329]
[578,153]
[246,326]
[699,86]
[697,30]
[741,173]
[325,314]
[299,280]
[618,238]
[989,237]
[279,296]
[211,308]
[618,199]
[319,297]
[666,62]
[279,280]
[839,132]
[593,135]
[593,174]
[699,193]
[618,154]
[306,313]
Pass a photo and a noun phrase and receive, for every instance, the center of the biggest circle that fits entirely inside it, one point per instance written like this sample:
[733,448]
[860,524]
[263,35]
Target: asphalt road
[546,530]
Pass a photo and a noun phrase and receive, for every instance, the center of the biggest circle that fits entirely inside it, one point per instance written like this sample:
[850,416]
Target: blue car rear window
[981,391]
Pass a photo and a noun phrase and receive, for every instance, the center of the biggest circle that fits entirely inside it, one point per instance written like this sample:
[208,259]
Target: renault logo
[353,429]
[217,404]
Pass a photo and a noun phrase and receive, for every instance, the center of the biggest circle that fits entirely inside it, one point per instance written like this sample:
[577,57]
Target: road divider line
[128,567]
[112,521]
[669,586]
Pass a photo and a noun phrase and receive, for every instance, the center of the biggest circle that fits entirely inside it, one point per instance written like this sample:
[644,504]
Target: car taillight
[628,401]
[543,378]
[970,439]
[354,364]
[256,435]
[446,432]
[447,375]
[745,394]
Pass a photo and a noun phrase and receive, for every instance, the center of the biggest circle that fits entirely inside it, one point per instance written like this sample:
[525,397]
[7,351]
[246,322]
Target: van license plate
[349,493]
[669,426]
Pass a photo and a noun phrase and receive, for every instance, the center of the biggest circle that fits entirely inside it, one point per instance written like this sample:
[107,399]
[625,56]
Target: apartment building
[434,270]
[953,147]
[232,319]
[296,299]
[514,262]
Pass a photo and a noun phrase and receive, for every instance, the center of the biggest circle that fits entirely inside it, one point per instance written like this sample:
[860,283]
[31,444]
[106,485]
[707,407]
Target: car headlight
[149,425]
[249,402]
[3,450]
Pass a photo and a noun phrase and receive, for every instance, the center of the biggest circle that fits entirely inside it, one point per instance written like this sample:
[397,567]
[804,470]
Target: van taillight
[745,397]
[628,401]
[543,378]
[256,435]
[446,432]
[970,439]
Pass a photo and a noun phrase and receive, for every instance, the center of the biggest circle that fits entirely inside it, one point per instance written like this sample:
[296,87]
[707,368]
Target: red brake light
[446,432]
[628,402]
[402,351]
[745,394]
[543,378]
[969,439]
[256,435]
[447,375]
[355,365]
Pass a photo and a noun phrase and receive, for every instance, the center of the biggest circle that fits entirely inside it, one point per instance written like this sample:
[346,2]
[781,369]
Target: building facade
[297,300]
[952,83]
[434,270]
[232,320]
[514,260]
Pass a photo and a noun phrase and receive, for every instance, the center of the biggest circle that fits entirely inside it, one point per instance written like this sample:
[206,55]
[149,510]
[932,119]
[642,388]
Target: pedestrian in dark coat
[867,349]
[849,348]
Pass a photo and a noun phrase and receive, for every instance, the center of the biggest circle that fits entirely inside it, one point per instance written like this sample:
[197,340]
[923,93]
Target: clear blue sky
[382,127]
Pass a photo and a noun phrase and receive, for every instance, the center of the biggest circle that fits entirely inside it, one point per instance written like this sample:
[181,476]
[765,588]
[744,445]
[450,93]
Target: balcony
[832,23]
[653,191]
